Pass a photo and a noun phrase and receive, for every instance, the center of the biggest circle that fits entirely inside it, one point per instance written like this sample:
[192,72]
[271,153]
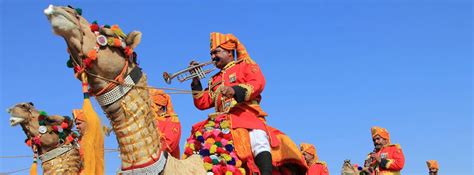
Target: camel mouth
[15,120]
[60,19]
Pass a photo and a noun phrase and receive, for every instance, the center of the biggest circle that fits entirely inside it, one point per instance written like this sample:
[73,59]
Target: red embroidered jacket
[392,162]
[245,77]
[318,168]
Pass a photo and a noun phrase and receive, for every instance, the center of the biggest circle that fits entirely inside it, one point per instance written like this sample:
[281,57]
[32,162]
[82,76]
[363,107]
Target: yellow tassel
[34,168]
[92,141]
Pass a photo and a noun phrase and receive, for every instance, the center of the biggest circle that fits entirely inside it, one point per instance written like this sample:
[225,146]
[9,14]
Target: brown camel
[58,156]
[348,168]
[104,54]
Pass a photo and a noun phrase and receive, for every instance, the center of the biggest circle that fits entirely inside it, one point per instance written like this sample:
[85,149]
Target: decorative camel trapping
[106,53]
[50,138]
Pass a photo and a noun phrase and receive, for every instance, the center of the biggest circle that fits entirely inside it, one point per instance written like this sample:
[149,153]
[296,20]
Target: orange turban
[229,42]
[309,148]
[161,98]
[382,132]
[78,114]
[432,164]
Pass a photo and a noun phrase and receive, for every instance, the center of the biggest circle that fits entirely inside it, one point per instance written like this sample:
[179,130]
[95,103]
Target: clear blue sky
[333,70]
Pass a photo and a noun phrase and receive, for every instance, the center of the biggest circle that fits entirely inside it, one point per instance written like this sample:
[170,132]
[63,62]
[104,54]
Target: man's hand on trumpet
[227,91]
[196,83]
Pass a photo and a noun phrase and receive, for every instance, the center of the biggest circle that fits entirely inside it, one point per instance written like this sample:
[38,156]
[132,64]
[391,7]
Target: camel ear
[133,39]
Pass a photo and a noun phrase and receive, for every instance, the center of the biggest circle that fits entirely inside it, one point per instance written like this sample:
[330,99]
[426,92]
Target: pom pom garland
[214,143]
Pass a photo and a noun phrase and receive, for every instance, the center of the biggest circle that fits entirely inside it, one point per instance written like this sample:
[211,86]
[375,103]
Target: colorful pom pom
[69,63]
[64,125]
[229,147]
[204,152]
[210,141]
[188,151]
[213,149]
[43,113]
[207,159]
[200,138]
[79,11]
[208,166]
[28,142]
[231,161]
[92,54]
[37,140]
[94,27]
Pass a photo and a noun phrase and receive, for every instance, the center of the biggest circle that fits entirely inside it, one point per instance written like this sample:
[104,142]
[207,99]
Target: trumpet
[194,71]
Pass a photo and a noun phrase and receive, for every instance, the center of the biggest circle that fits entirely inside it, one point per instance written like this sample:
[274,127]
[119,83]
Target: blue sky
[333,70]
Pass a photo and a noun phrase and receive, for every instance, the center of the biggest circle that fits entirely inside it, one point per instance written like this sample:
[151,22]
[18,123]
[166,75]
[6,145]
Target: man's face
[379,142]
[433,171]
[221,57]
[81,126]
[308,157]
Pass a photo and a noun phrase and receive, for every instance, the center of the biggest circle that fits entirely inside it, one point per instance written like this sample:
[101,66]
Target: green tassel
[218,144]
[69,63]
[79,11]
[95,22]
[107,26]
[42,123]
[43,113]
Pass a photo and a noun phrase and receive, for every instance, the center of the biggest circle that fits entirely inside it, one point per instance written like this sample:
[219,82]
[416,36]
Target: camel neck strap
[55,152]
[120,90]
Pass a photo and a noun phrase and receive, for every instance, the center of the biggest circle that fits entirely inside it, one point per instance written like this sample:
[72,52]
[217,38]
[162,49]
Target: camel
[105,55]
[349,169]
[58,153]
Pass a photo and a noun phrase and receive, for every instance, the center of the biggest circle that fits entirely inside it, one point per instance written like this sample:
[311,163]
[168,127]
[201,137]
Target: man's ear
[133,39]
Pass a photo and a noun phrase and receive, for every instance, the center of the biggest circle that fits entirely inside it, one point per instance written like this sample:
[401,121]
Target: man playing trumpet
[234,92]
[386,159]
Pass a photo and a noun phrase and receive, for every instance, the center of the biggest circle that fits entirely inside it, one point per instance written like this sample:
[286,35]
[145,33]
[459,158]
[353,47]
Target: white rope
[16,171]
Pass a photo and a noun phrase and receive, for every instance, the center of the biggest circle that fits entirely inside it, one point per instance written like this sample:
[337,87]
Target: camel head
[99,50]
[28,117]
[22,113]
[348,168]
